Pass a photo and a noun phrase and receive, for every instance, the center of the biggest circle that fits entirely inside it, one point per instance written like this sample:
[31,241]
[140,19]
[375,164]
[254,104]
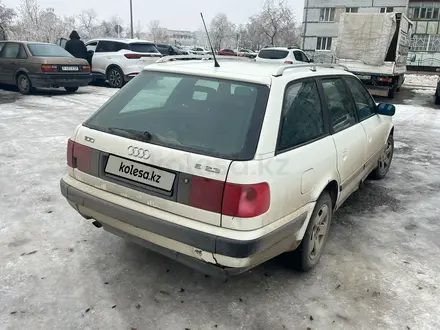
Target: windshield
[273,54]
[214,117]
[47,50]
[143,48]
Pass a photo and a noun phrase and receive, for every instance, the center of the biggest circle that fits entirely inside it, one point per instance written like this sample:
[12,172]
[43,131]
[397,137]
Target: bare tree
[277,22]
[157,32]
[6,18]
[88,23]
[222,31]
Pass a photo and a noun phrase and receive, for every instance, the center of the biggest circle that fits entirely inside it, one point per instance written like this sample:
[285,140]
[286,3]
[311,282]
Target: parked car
[30,65]
[248,52]
[167,50]
[282,55]
[119,60]
[199,51]
[229,52]
[153,165]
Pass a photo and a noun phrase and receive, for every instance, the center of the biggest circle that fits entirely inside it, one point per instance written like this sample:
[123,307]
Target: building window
[435,13]
[324,44]
[386,9]
[327,15]
[351,10]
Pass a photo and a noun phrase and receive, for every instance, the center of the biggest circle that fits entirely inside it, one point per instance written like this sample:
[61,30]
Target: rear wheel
[384,162]
[24,84]
[307,255]
[392,93]
[115,77]
[71,89]
[437,98]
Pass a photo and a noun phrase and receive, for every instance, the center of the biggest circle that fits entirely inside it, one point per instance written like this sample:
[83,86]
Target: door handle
[13,62]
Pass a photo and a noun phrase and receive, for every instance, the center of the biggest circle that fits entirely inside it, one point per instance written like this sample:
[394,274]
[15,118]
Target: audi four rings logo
[138,152]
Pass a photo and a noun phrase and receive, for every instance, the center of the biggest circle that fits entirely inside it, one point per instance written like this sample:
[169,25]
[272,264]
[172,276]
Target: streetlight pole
[131,18]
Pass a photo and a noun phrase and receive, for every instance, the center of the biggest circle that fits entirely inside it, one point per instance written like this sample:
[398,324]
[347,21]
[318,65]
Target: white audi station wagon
[223,168]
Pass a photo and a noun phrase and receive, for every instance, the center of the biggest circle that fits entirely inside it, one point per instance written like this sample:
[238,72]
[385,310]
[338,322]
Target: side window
[105,47]
[22,53]
[302,118]
[120,46]
[297,56]
[1,46]
[366,107]
[91,46]
[339,103]
[10,50]
[304,57]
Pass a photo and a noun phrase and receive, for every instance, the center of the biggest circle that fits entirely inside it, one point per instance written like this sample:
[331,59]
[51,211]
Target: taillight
[49,68]
[206,194]
[385,79]
[79,156]
[235,200]
[86,68]
[288,62]
[246,201]
[133,56]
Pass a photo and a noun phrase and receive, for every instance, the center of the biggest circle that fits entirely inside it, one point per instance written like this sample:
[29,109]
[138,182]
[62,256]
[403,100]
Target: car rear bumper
[60,79]
[209,253]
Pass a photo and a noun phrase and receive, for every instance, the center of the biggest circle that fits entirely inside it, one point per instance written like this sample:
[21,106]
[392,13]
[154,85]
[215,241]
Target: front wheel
[384,162]
[115,77]
[307,255]
[71,89]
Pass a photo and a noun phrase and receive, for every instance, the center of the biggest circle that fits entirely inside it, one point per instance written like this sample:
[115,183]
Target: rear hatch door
[167,140]
[147,53]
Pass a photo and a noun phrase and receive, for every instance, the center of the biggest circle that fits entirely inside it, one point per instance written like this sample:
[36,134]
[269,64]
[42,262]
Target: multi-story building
[321,18]
[425,43]
[181,37]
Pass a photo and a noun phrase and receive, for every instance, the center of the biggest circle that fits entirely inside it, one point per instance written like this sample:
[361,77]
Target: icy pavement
[380,269]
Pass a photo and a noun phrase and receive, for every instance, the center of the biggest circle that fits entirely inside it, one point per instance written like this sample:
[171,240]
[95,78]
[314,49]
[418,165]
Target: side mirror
[311,60]
[91,52]
[385,109]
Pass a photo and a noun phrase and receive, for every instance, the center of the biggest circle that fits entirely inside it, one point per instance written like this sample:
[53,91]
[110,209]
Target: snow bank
[427,80]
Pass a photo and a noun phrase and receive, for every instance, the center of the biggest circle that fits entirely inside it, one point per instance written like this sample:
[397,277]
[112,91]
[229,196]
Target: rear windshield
[273,54]
[44,50]
[214,117]
[143,48]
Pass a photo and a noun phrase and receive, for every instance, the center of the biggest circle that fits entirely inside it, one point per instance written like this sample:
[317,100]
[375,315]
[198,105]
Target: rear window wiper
[131,133]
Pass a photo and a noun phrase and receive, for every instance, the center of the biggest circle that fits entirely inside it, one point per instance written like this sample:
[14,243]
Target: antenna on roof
[210,44]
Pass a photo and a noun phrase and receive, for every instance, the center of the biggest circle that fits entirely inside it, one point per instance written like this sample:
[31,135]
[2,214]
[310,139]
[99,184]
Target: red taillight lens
[288,62]
[132,56]
[235,200]
[385,79]
[206,194]
[246,201]
[49,68]
[78,156]
[86,68]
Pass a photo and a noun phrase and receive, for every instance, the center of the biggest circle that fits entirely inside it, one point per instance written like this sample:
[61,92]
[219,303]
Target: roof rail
[201,57]
[280,71]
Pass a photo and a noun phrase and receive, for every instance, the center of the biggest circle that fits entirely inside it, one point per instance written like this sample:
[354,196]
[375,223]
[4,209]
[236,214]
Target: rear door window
[10,50]
[273,54]
[105,47]
[214,117]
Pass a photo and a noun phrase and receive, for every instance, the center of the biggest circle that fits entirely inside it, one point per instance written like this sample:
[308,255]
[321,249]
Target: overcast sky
[173,14]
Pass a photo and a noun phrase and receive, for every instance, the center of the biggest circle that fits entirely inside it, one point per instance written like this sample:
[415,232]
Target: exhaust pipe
[96,224]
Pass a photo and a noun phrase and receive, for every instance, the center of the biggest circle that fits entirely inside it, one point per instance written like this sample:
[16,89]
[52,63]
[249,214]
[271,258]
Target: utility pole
[131,19]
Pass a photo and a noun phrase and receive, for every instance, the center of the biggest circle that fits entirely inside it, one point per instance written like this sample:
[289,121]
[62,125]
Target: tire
[71,89]
[384,162]
[115,77]
[24,84]
[437,98]
[392,93]
[309,252]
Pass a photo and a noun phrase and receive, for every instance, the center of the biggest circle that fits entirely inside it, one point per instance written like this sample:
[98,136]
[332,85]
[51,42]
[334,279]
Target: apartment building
[425,43]
[321,17]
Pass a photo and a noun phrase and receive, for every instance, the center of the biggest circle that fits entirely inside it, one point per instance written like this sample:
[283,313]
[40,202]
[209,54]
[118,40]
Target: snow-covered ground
[380,269]
[424,80]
